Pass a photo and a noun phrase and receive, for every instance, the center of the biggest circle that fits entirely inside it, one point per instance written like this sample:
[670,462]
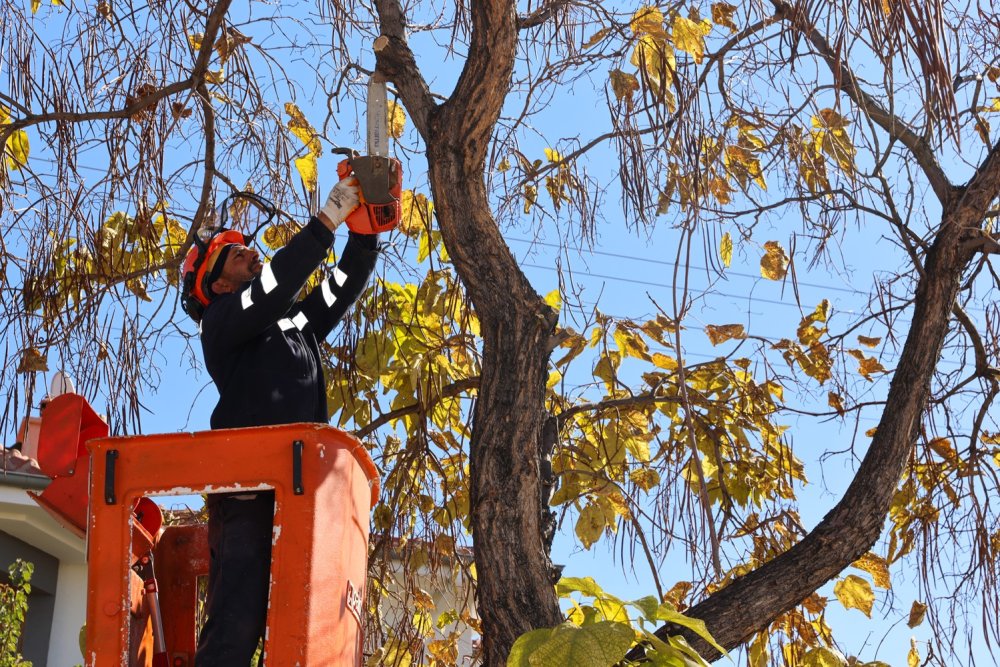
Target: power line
[663,262]
[647,283]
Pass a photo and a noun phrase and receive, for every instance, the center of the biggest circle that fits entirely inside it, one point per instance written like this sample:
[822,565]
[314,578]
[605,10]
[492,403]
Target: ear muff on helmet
[194,300]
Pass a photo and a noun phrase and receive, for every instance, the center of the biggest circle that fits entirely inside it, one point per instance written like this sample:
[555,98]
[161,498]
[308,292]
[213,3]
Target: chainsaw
[379,176]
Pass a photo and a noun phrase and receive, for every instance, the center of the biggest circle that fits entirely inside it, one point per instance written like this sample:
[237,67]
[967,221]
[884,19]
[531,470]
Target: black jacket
[261,345]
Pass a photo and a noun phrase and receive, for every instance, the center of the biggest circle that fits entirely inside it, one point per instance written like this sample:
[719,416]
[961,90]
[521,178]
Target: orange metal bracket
[68,422]
[325,485]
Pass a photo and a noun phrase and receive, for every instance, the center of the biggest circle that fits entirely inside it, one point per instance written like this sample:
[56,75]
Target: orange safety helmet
[196,278]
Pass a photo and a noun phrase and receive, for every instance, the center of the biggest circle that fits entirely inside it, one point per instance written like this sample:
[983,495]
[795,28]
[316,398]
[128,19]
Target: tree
[722,126]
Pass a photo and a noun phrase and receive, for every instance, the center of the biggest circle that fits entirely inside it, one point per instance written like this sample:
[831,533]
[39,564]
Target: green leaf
[597,645]
[585,585]
[668,613]
[527,644]
[648,606]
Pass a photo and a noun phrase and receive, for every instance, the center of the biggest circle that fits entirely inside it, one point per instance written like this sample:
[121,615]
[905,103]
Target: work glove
[343,199]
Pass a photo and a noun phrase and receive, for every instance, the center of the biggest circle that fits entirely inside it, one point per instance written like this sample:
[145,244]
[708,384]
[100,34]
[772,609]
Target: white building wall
[69,616]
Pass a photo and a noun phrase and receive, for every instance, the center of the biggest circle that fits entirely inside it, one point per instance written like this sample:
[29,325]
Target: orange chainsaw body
[381,184]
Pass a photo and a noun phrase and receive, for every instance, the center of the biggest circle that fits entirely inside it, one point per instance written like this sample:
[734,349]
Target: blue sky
[625,269]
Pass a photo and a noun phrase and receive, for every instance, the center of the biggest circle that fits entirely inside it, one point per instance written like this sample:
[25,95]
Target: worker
[261,348]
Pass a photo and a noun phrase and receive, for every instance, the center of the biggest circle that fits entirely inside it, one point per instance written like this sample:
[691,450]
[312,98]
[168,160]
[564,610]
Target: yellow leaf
[775,390]
[814,604]
[983,130]
[690,36]
[645,478]
[227,44]
[422,599]
[664,362]
[774,263]
[301,128]
[913,656]
[555,377]
[552,155]
[623,84]
[656,56]
[720,334]
[823,657]
[530,197]
[868,365]
[647,20]
[726,249]
[917,612]
[596,37]
[828,118]
[722,14]
[742,164]
[869,342]
[836,402]
[416,212]
[758,655]
[276,236]
[720,189]
[138,288]
[504,165]
[195,39]
[215,76]
[17,150]
[877,567]
[630,343]
[397,119]
[855,593]
[942,447]
[32,361]
[35,4]
[590,525]
[677,594]
[308,171]
[554,299]
[831,138]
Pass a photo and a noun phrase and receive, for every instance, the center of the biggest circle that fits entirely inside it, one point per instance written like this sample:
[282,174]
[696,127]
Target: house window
[41,600]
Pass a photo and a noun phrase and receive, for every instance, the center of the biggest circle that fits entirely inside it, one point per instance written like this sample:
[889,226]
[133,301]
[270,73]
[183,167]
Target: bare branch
[849,84]
[450,391]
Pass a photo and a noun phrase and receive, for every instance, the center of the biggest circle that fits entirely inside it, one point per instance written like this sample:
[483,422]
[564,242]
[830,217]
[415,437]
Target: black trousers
[239,540]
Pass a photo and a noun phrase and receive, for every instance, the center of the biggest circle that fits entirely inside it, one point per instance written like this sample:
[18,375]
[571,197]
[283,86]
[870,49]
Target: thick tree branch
[749,604]
[848,82]
[541,15]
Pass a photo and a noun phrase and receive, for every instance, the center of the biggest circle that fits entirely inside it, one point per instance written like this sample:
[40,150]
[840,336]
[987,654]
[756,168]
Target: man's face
[242,264]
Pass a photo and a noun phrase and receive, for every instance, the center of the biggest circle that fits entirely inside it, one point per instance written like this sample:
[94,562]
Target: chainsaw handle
[344,169]
[380,211]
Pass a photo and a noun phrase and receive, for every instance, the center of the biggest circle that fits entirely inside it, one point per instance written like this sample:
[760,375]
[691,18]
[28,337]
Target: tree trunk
[515,591]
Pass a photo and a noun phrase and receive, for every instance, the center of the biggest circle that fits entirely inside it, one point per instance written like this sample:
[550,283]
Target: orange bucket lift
[325,485]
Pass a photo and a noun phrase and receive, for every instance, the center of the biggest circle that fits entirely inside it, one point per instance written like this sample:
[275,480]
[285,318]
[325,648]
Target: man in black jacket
[261,347]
